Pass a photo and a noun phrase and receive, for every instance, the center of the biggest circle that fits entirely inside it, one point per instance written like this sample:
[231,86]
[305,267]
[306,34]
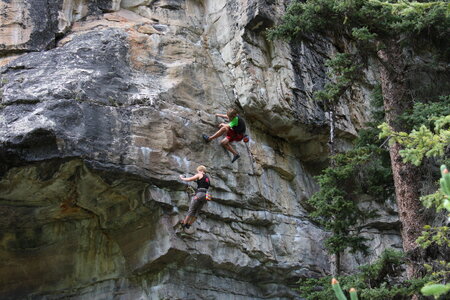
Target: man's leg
[220,132]
[226,144]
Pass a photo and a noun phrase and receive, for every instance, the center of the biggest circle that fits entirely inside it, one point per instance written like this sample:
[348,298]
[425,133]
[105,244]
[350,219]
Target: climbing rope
[204,39]
[253,160]
[205,45]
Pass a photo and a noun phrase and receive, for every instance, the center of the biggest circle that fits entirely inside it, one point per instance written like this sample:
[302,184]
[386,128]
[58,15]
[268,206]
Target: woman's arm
[195,177]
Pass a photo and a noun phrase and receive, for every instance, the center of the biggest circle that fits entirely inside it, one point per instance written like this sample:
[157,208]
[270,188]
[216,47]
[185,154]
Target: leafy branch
[422,142]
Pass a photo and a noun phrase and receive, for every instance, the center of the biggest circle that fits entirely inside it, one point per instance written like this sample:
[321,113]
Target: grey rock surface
[35,25]
[95,132]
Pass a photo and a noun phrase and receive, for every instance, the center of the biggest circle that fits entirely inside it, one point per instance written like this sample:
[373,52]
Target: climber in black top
[235,131]
[200,197]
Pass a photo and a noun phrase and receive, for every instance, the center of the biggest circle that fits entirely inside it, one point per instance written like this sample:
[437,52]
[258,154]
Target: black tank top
[203,183]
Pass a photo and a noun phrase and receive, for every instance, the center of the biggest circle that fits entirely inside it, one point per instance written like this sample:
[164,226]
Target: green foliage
[372,24]
[434,235]
[377,103]
[435,290]
[440,272]
[418,16]
[375,176]
[440,236]
[344,71]
[377,271]
[363,34]
[435,200]
[426,113]
[363,170]
[335,206]
[426,142]
[442,268]
[365,19]
[431,133]
[422,142]
[381,280]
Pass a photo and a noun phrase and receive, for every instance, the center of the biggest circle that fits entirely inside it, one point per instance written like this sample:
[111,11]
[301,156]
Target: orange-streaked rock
[15,24]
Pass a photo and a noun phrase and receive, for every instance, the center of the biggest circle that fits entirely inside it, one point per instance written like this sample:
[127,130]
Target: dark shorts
[233,136]
[197,203]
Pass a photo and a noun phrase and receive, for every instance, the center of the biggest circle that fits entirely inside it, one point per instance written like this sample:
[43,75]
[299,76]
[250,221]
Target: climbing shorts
[233,136]
[197,203]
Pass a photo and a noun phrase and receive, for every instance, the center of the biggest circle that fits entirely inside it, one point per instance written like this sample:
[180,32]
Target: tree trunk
[406,178]
[335,264]
[331,145]
[335,259]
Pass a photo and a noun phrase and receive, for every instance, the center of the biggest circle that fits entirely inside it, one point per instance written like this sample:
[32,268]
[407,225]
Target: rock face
[95,131]
[27,25]
[34,25]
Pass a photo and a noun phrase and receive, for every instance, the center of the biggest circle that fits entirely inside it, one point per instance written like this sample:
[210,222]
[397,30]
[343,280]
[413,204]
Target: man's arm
[222,116]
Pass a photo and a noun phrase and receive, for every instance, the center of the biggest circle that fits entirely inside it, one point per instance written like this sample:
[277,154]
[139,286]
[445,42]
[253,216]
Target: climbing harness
[208,196]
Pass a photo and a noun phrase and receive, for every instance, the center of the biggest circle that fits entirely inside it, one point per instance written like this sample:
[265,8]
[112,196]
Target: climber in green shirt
[235,132]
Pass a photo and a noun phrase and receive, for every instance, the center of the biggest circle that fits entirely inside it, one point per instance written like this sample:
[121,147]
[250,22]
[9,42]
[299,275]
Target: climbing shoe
[206,138]
[235,158]
[184,226]
[179,224]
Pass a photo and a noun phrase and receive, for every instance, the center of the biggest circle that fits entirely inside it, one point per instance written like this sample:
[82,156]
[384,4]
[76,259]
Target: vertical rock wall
[95,131]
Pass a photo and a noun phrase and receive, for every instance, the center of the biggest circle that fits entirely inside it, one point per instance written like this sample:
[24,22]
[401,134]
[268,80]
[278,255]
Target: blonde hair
[231,113]
[201,168]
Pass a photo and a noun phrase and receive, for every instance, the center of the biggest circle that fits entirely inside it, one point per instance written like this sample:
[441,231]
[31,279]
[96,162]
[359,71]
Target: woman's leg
[186,220]
[196,205]
[191,211]
[192,220]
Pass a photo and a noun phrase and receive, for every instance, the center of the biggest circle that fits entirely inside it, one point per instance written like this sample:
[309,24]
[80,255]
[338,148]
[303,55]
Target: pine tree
[382,30]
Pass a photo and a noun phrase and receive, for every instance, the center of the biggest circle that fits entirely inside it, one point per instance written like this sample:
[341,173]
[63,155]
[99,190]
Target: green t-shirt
[237,125]
[234,122]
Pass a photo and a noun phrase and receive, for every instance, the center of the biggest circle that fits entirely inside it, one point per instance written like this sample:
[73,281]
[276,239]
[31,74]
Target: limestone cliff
[103,104]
